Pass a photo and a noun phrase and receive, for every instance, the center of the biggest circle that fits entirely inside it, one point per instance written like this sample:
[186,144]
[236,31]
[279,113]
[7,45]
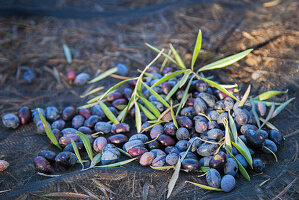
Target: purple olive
[270,145]
[48,155]
[144,126]
[218,161]
[212,125]
[200,126]
[99,144]
[190,102]
[127,93]
[221,118]
[67,131]
[189,155]
[184,121]
[172,159]
[228,183]
[103,127]
[120,104]
[97,110]
[261,108]
[131,144]
[219,105]
[118,139]
[187,111]
[240,116]
[153,145]
[65,140]
[78,121]
[10,121]
[166,140]
[191,165]
[113,96]
[208,98]
[122,69]
[113,110]
[85,113]
[29,76]
[85,130]
[231,167]
[195,144]
[246,127]
[207,149]
[213,115]
[139,136]
[242,160]
[52,113]
[109,155]
[35,114]
[146,158]
[182,134]
[137,151]
[57,134]
[81,79]
[171,149]
[69,147]
[201,86]
[213,178]
[169,128]
[40,127]
[166,87]
[205,161]
[228,103]
[215,134]
[71,75]
[24,115]
[68,113]
[159,161]
[3,165]
[254,139]
[42,165]
[156,131]
[263,133]
[91,121]
[276,137]
[158,152]
[258,165]
[199,105]
[58,124]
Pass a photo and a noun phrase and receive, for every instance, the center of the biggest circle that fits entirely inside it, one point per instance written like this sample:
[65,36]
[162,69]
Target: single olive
[258,165]
[82,78]
[246,127]
[137,151]
[221,118]
[52,113]
[200,118]
[122,69]
[201,86]
[205,161]
[185,121]
[228,183]
[215,134]
[85,130]
[171,149]
[57,134]
[231,167]
[42,165]
[10,121]
[254,139]
[199,105]
[113,110]
[270,145]
[195,144]
[153,145]
[58,124]
[67,131]
[144,126]
[127,93]
[263,133]
[48,155]
[70,147]
[189,155]
[131,144]
[68,113]
[120,128]
[261,108]
[29,76]
[40,127]
[114,95]
[190,102]
[182,133]
[158,152]
[65,140]
[91,121]
[156,131]
[191,165]
[97,110]
[213,178]
[139,136]
[240,116]
[187,111]
[118,139]
[207,149]
[71,75]
[85,113]
[3,165]
[120,104]
[218,161]
[146,158]
[213,115]
[158,105]
[219,105]
[172,159]
[208,98]
[228,103]
[24,115]
[99,144]
[170,128]
[109,155]
[212,125]
[242,160]
[276,137]
[200,126]
[166,140]
[78,121]
[159,161]
[35,114]
[103,127]
[182,145]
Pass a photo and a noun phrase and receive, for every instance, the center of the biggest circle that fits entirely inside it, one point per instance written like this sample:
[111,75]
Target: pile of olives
[200,127]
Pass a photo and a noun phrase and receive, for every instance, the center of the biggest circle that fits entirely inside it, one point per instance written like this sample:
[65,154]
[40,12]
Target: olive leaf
[48,130]
[152,108]
[67,53]
[228,142]
[87,106]
[269,94]
[137,117]
[86,144]
[172,116]
[108,113]
[95,160]
[269,115]
[92,91]
[103,75]
[117,164]
[169,76]
[242,148]
[233,127]
[123,152]
[205,186]
[185,78]
[268,103]
[95,99]
[157,95]
[77,152]
[122,115]
[204,169]
[158,51]
[281,107]
[185,97]
[147,113]
[268,124]
[177,57]
[241,168]
[162,168]
[255,113]
[219,87]
[172,91]
[165,61]
[197,48]
[225,61]
[272,153]
[245,97]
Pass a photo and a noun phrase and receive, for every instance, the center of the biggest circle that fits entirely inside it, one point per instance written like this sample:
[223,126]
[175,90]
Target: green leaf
[172,91]
[67,53]
[205,186]
[204,169]
[245,97]
[92,91]
[196,48]
[137,117]
[177,57]
[219,87]
[272,153]
[86,144]
[225,61]
[185,97]
[233,127]
[108,113]
[103,75]
[268,103]
[77,152]
[162,168]
[150,106]
[242,148]
[157,96]
[158,51]
[173,117]
[228,143]
[268,124]
[270,114]
[122,115]
[169,76]
[281,107]
[165,61]
[255,113]
[241,168]
[185,78]
[117,164]
[269,94]
[96,160]
[48,130]
[123,152]
[147,112]
[114,87]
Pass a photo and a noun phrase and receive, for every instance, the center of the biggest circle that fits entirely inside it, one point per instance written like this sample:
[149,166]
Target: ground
[103,34]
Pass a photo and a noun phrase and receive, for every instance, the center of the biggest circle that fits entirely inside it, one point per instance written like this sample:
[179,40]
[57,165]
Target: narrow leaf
[185,78]
[123,152]
[92,91]
[117,164]
[48,130]
[137,117]
[173,117]
[228,143]
[169,76]
[158,51]
[197,48]
[172,91]
[245,97]
[271,152]
[255,113]
[219,87]
[268,124]
[242,148]
[185,97]
[281,107]
[96,160]
[270,114]
[205,186]
[150,106]
[165,61]
[268,103]
[157,96]
[225,61]
[108,113]
[241,168]
[177,57]
[67,53]
[204,169]
[269,94]
[87,106]
[77,152]
[233,127]
[103,75]
[162,168]
[147,112]
[86,144]
[122,116]
[67,195]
